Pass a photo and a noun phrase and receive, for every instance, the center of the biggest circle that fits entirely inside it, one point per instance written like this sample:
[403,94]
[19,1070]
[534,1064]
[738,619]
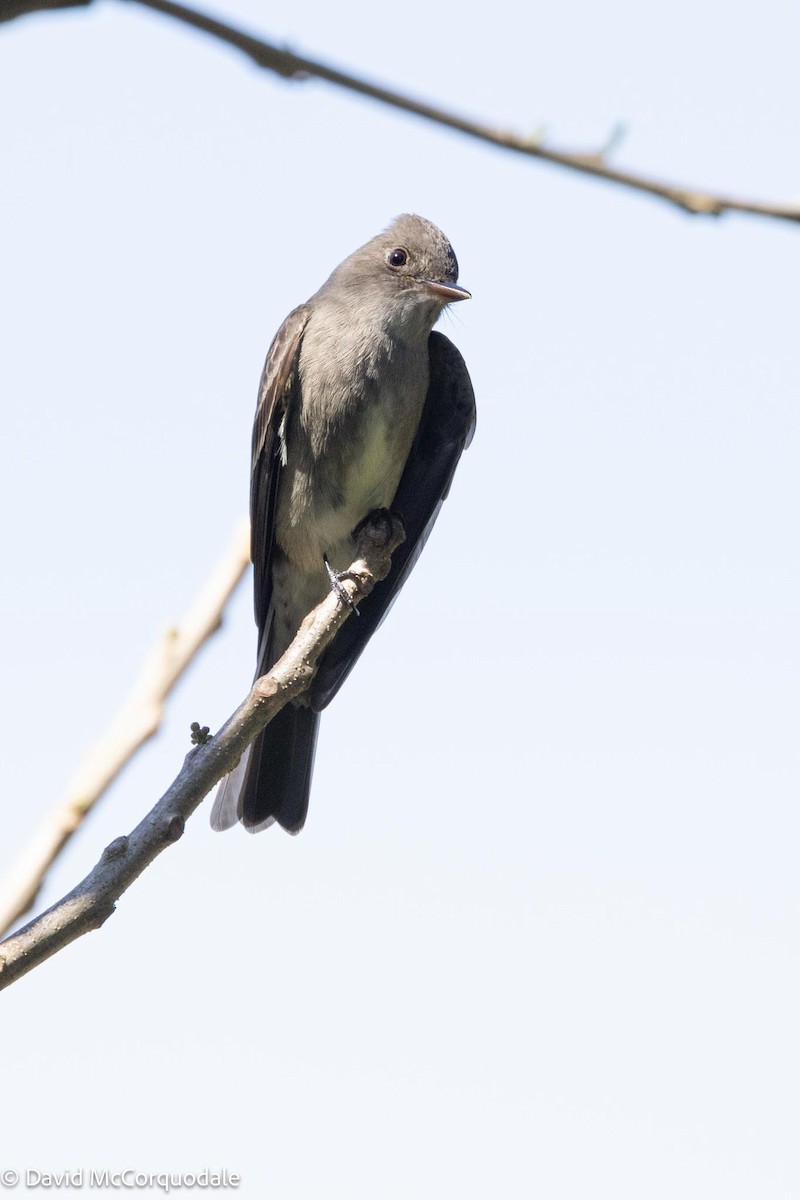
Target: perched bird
[361,407]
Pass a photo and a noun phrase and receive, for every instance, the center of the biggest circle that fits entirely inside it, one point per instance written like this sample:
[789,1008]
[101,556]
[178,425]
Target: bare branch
[89,904]
[292,66]
[283,62]
[20,8]
[137,721]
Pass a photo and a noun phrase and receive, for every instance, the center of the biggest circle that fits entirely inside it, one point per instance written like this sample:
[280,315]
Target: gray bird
[361,407]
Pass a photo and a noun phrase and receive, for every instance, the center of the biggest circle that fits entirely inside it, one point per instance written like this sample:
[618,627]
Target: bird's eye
[397,258]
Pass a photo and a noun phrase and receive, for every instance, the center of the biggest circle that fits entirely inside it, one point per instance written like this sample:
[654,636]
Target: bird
[361,407]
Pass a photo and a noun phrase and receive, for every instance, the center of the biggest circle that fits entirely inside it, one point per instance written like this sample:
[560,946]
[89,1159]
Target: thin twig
[283,62]
[22,8]
[292,66]
[89,904]
[137,721]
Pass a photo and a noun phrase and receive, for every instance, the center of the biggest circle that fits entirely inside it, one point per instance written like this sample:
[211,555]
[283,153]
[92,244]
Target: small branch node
[175,828]
[616,136]
[116,849]
[200,734]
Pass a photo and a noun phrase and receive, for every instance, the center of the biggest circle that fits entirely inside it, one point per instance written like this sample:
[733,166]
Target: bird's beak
[445,291]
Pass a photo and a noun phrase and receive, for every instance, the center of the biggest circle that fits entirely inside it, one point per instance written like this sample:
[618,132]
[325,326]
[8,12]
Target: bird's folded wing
[279,380]
[445,430]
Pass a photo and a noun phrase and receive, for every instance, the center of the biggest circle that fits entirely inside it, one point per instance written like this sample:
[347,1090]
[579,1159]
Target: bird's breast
[345,455]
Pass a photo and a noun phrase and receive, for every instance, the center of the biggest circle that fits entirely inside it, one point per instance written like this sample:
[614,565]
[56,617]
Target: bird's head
[409,271]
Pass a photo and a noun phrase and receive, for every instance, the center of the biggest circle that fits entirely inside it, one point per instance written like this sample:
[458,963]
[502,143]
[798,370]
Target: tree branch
[89,904]
[21,8]
[137,721]
[283,62]
[292,66]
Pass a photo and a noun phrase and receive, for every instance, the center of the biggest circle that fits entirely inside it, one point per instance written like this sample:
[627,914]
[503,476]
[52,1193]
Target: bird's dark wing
[445,430]
[278,381]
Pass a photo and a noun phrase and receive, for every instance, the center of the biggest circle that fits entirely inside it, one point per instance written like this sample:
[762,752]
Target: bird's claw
[336,578]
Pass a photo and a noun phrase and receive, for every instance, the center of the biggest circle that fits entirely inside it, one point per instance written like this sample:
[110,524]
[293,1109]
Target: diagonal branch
[695,201]
[137,721]
[292,66]
[89,904]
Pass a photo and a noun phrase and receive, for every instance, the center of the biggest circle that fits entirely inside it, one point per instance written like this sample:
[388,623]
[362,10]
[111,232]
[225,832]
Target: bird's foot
[378,526]
[336,580]
[383,529]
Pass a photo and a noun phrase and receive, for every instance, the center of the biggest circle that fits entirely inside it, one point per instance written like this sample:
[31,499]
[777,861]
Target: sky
[551,949]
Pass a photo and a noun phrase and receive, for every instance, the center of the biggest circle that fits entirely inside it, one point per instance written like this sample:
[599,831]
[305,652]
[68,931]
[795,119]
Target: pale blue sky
[554,954]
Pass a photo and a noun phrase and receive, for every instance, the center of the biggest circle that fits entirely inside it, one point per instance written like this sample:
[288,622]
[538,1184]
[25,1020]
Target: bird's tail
[273,778]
